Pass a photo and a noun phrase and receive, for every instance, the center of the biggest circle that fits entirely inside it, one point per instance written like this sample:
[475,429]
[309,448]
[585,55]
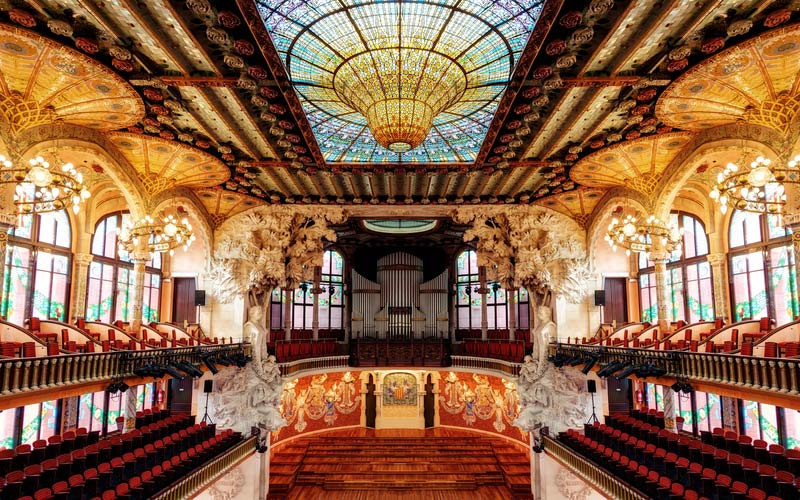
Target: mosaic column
[140,260]
[718,274]
[796,246]
[511,294]
[130,408]
[81,280]
[4,229]
[287,314]
[660,260]
[730,413]
[484,308]
[315,291]
[70,409]
[669,410]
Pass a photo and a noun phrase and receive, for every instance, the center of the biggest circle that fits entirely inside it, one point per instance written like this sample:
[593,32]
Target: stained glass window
[331,300]
[762,268]
[792,418]
[92,410]
[39,421]
[37,268]
[709,411]
[111,277]
[8,420]
[760,421]
[468,302]
[690,294]
[484,40]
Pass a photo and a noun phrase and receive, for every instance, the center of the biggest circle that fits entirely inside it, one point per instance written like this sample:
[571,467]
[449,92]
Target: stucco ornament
[248,397]
[550,397]
[529,246]
[269,246]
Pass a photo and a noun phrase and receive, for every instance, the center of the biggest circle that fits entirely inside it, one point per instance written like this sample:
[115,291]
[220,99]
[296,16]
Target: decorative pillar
[483,290]
[5,227]
[536,468]
[69,422]
[315,291]
[796,246]
[140,259]
[730,413]
[130,408]
[660,260]
[511,294]
[287,313]
[669,410]
[718,274]
[81,280]
[263,487]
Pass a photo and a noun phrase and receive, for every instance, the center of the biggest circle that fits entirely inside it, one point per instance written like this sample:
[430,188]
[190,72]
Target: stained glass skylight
[484,38]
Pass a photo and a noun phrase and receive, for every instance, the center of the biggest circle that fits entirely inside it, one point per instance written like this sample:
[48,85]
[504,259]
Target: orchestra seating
[720,465]
[509,350]
[135,464]
[290,350]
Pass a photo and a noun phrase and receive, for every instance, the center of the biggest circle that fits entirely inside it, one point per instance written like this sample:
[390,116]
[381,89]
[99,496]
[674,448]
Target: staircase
[399,464]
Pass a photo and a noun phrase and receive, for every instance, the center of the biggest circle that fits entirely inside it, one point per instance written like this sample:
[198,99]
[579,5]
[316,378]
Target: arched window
[331,299]
[468,302]
[690,289]
[37,268]
[762,275]
[111,277]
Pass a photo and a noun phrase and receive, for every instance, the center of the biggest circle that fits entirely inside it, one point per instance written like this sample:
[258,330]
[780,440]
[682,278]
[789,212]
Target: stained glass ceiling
[316,37]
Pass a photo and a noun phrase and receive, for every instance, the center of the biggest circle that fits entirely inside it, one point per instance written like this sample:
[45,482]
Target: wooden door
[183,307]
[619,396]
[180,395]
[616,307]
[370,406]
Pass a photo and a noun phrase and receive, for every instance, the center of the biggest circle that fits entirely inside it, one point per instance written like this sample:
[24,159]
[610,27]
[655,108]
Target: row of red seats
[292,350]
[132,445]
[651,446]
[41,449]
[512,350]
[478,334]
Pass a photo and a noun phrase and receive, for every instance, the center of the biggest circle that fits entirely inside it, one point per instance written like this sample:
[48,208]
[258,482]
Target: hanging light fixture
[163,235]
[755,187]
[40,187]
[641,236]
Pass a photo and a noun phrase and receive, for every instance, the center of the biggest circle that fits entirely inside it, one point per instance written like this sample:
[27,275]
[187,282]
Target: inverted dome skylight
[327,47]
[399,226]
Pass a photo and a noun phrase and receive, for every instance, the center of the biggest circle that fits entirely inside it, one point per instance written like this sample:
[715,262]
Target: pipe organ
[399,305]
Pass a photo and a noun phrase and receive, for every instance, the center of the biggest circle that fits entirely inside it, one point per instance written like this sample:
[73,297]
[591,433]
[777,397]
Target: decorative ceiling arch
[613,198]
[637,164]
[578,204]
[168,201]
[757,81]
[42,81]
[222,205]
[163,165]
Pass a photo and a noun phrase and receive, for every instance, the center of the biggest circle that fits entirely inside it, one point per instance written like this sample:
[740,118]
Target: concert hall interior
[400,249]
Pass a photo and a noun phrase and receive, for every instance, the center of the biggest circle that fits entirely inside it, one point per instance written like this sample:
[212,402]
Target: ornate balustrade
[199,478]
[312,364]
[19,375]
[590,472]
[488,364]
[775,375]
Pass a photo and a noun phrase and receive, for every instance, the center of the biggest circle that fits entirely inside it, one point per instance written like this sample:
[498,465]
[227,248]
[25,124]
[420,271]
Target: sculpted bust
[545,332]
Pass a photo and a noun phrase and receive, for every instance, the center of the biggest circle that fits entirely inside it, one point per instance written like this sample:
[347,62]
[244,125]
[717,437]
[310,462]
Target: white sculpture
[249,397]
[255,333]
[543,334]
[550,397]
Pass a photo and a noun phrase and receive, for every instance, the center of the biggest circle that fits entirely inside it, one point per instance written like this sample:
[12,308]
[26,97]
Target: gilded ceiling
[236,99]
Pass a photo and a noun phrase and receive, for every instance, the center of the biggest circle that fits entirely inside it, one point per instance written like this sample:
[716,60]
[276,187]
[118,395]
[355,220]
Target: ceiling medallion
[643,236]
[40,188]
[153,235]
[755,187]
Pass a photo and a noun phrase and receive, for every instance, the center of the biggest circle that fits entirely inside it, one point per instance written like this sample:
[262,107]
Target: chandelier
[156,236]
[399,91]
[757,187]
[635,236]
[41,188]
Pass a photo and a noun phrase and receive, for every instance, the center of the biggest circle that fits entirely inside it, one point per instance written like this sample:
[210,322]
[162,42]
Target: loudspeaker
[599,297]
[199,297]
[208,385]
[591,386]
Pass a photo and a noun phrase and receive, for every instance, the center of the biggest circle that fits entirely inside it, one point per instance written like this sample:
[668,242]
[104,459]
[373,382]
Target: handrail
[209,472]
[599,478]
[777,375]
[19,375]
[309,364]
[490,364]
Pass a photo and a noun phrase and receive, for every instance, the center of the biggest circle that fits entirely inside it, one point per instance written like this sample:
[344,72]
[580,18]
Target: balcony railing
[488,364]
[311,364]
[776,375]
[208,473]
[18,375]
[593,474]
